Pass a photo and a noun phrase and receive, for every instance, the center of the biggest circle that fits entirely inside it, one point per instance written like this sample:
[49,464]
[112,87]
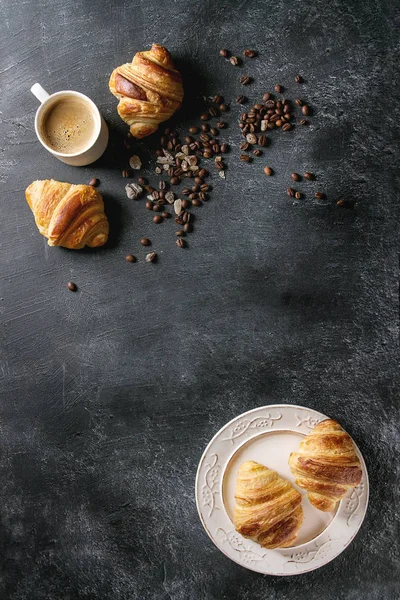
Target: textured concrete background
[110,395]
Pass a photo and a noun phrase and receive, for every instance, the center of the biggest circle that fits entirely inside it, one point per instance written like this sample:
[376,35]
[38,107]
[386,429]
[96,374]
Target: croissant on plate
[326,465]
[268,508]
[68,215]
[149,90]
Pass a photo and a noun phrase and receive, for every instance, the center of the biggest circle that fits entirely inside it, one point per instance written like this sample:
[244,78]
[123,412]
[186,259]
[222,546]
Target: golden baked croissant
[149,90]
[68,215]
[326,465]
[268,508]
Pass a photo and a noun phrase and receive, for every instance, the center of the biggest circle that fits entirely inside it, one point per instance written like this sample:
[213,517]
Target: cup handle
[39,92]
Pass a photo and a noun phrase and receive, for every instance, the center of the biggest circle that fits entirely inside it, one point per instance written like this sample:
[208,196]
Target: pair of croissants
[149,90]
[268,508]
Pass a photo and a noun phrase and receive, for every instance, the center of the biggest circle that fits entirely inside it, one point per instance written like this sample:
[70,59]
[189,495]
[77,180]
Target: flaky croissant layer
[149,90]
[326,465]
[69,215]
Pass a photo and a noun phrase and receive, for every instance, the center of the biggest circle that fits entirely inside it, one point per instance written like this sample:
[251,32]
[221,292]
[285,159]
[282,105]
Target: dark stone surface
[110,395]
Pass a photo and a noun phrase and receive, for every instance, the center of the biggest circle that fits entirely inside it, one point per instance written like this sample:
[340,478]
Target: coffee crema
[68,125]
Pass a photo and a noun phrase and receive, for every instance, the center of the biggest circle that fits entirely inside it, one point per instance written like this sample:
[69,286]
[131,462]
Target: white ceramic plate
[268,435]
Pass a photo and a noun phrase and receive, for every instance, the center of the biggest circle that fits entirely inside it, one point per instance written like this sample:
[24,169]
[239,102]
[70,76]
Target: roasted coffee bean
[193,129]
[221,124]
[203,197]
[156,207]
[270,104]
[204,116]
[143,181]
[319,195]
[224,148]
[268,171]
[180,243]
[273,118]
[149,189]
[72,286]
[165,214]
[291,192]
[266,96]
[241,125]
[241,99]
[149,205]
[151,257]
[180,233]
[297,195]
[296,177]
[94,182]
[220,166]
[278,104]
[196,188]
[159,152]
[189,139]
[287,127]
[216,148]
[309,176]
[192,196]
[203,173]
[214,131]
[213,111]
[170,172]
[174,180]
[303,122]
[305,110]
[245,158]
[170,145]
[298,79]
[278,111]
[251,138]
[161,200]
[234,60]
[125,173]
[179,220]
[207,154]
[245,80]
[205,127]
[197,202]
[185,203]
[271,126]
[145,242]
[245,146]
[257,152]
[204,137]
[279,123]
[225,53]
[223,107]
[155,195]
[262,140]
[250,53]
[186,191]
[188,227]
[299,102]
[130,258]
[218,99]
[157,219]
[164,141]
[205,187]
[162,185]
[278,88]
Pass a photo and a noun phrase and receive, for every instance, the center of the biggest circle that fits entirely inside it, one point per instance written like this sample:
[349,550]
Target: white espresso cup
[97,139]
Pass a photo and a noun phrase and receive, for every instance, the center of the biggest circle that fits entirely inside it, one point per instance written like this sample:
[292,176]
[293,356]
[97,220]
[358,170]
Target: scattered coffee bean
[266,97]
[234,60]
[157,219]
[245,146]
[125,173]
[251,138]
[250,53]
[175,180]
[268,171]
[303,122]
[72,286]
[298,79]
[203,173]
[297,195]
[296,177]
[185,203]
[245,158]
[278,88]
[157,207]
[194,129]
[204,116]
[213,111]
[145,242]
[214,131]
[188,227]
[165,215]
[180,233]
[345,203]
[299,102]
[225,53]
[94,182]
[143,181]
[262,140]
[245,80]
[223,107]
[241,99]
[305,110]
[221,125]
[309,176]
[291,192]
[151,257]
[286,127]
[205,127]
[224,148]
[149,205]
[197,202]
[319,195]
[130,258]
[180,243]
[162,185]
[257,152]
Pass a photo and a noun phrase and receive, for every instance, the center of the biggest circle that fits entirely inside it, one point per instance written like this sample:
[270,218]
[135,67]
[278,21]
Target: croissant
[268,508]
[68,215]
[326,465]
[149,90]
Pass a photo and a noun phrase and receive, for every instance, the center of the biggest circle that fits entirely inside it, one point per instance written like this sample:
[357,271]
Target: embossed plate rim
[285,561]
